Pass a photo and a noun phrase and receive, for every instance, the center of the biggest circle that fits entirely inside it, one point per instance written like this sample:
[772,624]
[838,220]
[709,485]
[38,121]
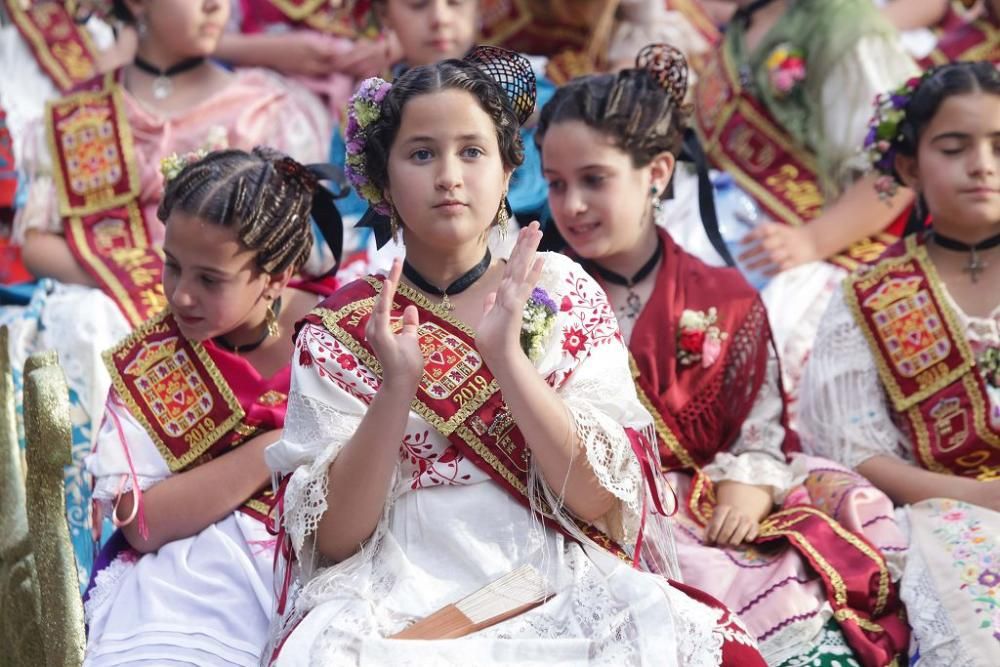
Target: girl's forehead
[445,113]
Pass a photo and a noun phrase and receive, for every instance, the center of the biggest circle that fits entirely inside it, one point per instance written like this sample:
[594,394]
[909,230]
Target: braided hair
[264,195]
[631,107]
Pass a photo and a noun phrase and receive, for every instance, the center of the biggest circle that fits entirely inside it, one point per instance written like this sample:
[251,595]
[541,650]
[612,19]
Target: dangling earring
[271,318]
[141,27]
[503,217]
[656,202]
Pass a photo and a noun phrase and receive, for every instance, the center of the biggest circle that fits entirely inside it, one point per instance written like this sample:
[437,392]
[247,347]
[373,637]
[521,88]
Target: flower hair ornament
[510,70]
[668,67]
[884,133]
[172,165]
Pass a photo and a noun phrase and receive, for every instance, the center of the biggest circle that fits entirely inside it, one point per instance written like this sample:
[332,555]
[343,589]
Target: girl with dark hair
[705,366]
[466,421]
[198,393]
[88,223]
[904,381]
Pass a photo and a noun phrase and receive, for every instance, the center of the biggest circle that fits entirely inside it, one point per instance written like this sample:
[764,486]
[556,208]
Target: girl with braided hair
[198,393]
[705,366]
[88,227]
[465,418]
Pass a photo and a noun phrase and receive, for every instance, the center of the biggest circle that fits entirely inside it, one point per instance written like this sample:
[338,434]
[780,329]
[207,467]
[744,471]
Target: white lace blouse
[844,411]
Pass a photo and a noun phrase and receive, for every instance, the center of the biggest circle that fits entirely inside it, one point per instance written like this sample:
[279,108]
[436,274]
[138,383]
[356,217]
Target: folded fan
[518,592]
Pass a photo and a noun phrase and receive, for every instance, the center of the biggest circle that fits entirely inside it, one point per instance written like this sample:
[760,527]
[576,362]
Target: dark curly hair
[630,107]
[266,196]
[445,75]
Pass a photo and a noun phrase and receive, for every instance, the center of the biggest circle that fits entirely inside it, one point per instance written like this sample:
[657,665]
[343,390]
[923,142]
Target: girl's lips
[583,229]
[187,319]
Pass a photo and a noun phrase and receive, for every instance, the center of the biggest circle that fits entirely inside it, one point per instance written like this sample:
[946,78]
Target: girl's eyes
[421,155]
[556,186]
[593,180]
[472,152]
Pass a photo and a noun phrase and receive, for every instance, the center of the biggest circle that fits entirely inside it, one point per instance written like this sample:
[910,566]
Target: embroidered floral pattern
[976,564]
[698,339]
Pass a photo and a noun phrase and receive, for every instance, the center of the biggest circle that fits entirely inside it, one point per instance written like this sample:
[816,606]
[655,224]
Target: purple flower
[899,101]
[540,297]
[381,92]
[989,578]
[870,138]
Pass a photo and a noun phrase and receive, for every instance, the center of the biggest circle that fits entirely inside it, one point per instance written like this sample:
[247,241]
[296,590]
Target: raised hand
[499,335]
[776,248]
[397,351]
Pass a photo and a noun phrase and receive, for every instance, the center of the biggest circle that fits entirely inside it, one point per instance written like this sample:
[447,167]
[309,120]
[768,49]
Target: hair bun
[668,67]
[512,72]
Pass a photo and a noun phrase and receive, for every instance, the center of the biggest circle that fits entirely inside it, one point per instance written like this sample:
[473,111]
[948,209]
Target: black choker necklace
[462,283]
[975,265]
[746,13]
[243,349]
[162,86]
[633,304]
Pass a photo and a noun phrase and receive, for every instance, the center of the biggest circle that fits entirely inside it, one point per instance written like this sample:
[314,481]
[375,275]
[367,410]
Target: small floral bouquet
[537,323]
[883,135]
[698,339]
[364,109]
[989,366]
[786,68]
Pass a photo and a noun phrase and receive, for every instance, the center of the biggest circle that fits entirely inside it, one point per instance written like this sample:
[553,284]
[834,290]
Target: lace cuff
[754,468]
[108,488]
[610,455]
[314,434]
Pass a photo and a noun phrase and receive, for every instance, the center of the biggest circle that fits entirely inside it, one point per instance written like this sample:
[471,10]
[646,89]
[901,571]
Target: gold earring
[503,217]
[271,318]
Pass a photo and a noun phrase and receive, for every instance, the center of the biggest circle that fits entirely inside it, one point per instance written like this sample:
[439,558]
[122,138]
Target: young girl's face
[958,161]
[212,284]
[599,200]
[182,28]
[432,30]
[446,175]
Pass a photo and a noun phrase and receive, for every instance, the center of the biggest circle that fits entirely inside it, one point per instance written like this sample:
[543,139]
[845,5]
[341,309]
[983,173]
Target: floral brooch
[786,68]
[537,323]
[698,339]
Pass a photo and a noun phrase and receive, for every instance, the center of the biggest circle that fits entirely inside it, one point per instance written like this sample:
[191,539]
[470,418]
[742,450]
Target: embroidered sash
[740,136]
[176,389]
[62,48]
[974,40]
[321,15]
[457,395]
[97,184]
[925,363]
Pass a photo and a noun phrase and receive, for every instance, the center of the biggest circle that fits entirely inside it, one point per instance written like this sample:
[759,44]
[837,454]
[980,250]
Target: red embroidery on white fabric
[432,467]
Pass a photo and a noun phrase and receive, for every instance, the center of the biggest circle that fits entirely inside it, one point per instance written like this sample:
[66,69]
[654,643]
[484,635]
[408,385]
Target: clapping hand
[398,352]
[499,333]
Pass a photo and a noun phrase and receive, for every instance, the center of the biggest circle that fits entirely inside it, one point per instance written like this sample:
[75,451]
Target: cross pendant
[975,266]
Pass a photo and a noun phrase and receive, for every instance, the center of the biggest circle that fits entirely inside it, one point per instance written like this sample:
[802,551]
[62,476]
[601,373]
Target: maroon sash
[62,48]
[324,16]
[457,395]
[972,40]
[180,392]
[698,412]
[97,183]
[925,363]
[741,136]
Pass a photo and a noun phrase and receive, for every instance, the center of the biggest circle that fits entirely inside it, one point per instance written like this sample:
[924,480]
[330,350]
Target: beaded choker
[459,285]
[162,86]
[975,265]
[633,304]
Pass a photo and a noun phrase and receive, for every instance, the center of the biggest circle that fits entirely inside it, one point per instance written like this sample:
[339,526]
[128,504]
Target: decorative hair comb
[512,72]
[668,67]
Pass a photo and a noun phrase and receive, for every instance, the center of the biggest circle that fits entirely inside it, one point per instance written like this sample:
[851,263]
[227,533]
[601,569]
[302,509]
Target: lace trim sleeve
[843,411]
[320,428]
